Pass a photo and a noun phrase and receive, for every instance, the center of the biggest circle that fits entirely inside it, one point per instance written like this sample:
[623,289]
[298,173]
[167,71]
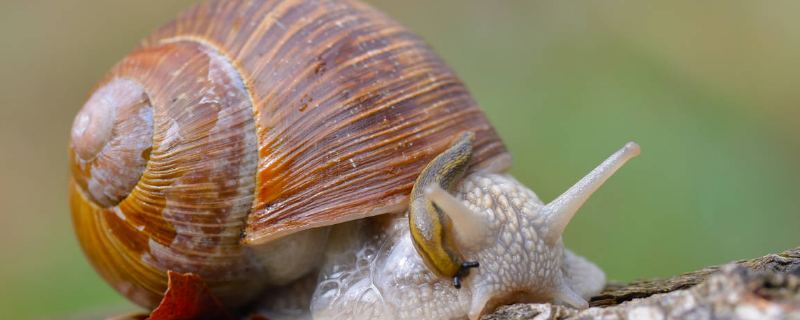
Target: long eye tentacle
[561,210]
[432,231]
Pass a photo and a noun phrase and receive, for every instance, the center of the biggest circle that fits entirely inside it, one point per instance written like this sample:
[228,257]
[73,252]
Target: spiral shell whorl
[269,117]
[188,209]
[112,138]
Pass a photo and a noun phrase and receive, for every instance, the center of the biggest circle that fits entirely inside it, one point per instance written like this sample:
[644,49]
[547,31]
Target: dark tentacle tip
[463,271]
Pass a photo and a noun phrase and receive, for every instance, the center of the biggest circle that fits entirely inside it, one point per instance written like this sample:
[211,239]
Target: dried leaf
[130,316]
[188,298]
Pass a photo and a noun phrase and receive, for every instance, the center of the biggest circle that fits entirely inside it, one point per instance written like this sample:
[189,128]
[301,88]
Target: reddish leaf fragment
[258,317]
[188,298]
[130,316]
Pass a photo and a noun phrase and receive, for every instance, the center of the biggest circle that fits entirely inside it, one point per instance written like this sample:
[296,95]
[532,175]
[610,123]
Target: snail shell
[241,123]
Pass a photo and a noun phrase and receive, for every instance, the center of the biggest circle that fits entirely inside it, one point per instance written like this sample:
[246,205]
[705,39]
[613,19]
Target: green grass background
[709,90]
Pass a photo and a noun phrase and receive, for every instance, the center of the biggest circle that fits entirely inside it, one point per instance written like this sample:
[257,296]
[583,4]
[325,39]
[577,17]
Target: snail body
[498,222]
[231,139]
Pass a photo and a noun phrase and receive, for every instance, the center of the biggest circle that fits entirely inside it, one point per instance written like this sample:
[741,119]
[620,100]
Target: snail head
[501,224]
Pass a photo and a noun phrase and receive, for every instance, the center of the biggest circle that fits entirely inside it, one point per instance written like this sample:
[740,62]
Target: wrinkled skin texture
[381,276]
[372,270]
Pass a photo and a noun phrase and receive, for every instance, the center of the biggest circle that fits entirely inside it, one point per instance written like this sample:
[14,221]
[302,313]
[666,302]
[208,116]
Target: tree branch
[762,288]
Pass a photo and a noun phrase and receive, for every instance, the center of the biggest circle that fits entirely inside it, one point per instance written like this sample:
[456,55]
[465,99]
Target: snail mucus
[269,145]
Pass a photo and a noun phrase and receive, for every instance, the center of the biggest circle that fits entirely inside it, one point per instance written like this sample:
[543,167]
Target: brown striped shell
[241,122]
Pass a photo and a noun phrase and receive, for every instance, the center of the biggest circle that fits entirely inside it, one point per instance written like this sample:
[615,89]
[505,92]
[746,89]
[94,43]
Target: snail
[260,144]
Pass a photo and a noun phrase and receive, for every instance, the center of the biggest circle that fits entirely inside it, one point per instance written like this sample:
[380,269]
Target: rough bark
[762,288]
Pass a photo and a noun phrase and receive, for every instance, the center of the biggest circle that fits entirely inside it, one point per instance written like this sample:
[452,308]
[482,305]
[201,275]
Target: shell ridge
[240,73]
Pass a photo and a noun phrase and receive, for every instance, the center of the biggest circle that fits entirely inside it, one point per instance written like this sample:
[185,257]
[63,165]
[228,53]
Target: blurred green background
[709,90]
